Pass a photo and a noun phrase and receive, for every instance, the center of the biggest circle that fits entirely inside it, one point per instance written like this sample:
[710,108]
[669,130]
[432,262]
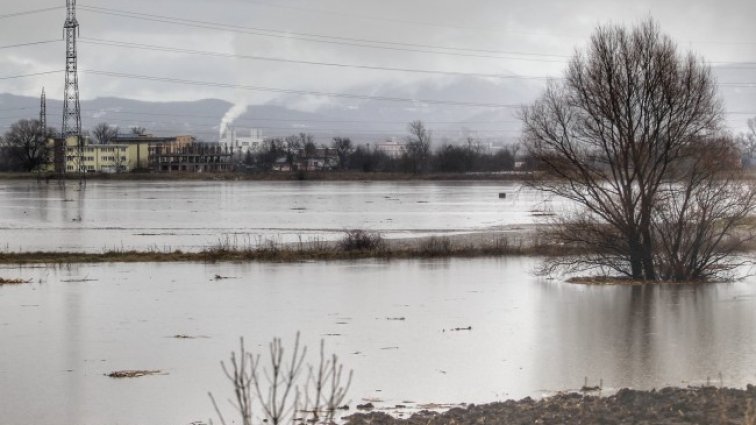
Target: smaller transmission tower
[43,109]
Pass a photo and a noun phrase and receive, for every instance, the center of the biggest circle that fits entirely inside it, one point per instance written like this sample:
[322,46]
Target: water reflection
[646,336]
[192,215]
[424,331]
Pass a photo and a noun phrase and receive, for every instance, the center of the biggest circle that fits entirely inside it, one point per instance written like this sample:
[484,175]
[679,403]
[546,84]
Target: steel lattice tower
[71,108]
[43,110]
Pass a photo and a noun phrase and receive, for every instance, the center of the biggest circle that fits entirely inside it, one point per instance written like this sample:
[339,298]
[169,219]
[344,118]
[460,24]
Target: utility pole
[71,108]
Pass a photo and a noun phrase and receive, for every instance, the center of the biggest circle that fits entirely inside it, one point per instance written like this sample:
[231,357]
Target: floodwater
[194,215]
[528,336]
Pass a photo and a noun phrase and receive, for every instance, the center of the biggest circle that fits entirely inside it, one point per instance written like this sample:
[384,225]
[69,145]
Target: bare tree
[295,144]
[344,148]
[309,150]
[621,137]
[138,131]
[104,133]
[327,387]
[277,388]
[418,146]
[27,144]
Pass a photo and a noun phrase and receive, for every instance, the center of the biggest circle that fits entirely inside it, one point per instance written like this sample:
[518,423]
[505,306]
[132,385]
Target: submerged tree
[632,136]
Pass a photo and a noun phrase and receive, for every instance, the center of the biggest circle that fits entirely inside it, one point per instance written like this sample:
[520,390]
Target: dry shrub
[436,245]
[360,240]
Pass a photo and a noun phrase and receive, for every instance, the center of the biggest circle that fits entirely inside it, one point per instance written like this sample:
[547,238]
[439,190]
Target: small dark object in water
[469,328]
[133,373]
[344,407]
[12,281]
[502,195]
[366,406]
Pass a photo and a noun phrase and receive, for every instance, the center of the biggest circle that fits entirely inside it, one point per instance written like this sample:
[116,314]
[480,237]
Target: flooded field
[194,215]
[527,336]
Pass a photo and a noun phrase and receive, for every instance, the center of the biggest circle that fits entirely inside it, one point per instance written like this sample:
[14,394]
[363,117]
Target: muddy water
[193,215]
[527,337]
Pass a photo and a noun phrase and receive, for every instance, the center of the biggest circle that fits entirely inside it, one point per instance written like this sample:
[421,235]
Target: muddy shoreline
[672,406]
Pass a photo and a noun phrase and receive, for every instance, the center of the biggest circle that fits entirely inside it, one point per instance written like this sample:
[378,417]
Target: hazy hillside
[363,120]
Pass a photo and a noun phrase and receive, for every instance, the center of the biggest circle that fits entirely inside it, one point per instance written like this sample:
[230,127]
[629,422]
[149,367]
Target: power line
[399,127]
[35,74]
[320,130]
[379,18]
[275,59]
[331,37]
[151,47]
[331,94]
[299,92]
[318,38]
[357,42]
[30,12]
[457,27]
[308,92]
[219,116]
[33,43]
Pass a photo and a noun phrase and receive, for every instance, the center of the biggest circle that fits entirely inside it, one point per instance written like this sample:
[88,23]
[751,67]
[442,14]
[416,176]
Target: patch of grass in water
[4,281]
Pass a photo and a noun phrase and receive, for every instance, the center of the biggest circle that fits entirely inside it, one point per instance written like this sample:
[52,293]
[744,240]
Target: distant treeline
[415,155]
[448,159]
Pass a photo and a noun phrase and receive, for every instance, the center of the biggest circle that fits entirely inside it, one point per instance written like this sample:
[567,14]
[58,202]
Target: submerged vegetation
[120,374]
[4,281]
[356,244]
[280,391]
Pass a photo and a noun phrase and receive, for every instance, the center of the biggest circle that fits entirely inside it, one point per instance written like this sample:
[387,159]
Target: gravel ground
[702,405]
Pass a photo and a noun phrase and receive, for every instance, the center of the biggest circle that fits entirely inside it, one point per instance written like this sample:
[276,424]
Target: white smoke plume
[239,108]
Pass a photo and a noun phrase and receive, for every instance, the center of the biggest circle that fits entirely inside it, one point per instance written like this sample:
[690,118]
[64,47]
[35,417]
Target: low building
[92,158]
[141,147]
[392,148]
[322,158]
[122,154]
[238,145]
[97,158]
[195,157]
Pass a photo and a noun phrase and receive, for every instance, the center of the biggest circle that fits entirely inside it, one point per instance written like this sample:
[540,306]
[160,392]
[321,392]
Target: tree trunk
[649,269]
[636,259]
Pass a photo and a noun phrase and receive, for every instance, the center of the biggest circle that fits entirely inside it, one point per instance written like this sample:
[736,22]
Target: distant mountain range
[362,120]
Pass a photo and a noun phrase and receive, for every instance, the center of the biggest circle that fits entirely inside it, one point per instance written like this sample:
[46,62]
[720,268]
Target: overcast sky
[542,32]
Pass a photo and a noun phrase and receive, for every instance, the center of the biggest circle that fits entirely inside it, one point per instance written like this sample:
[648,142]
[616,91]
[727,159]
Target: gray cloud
[720,31]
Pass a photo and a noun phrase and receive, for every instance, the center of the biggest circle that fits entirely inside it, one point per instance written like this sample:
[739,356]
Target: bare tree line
[417,155]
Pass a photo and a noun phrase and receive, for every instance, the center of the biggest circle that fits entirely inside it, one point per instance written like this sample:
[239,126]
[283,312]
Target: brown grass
[622,280]
[435,247]
[12,281]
